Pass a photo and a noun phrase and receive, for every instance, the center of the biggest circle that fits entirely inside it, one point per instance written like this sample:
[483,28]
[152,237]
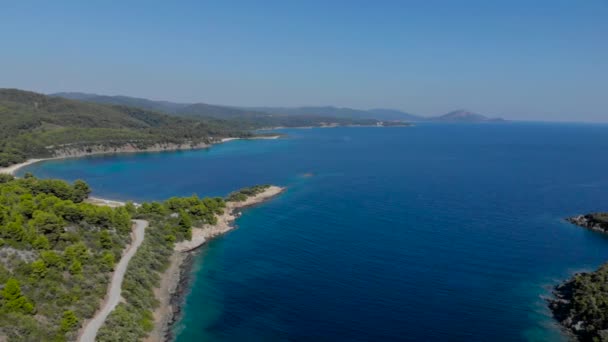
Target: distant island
[465,116]
[580,304]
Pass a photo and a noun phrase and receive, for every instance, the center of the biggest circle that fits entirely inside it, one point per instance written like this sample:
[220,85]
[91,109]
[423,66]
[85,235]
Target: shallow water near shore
[432,232]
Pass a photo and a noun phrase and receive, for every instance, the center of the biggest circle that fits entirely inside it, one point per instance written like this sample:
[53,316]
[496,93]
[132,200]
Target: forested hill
[272,116]
[36,125]
[173,108]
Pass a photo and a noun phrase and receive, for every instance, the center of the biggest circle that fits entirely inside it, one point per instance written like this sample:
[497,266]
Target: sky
[522,60]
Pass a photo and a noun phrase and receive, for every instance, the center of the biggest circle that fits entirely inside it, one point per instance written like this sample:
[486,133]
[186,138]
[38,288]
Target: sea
[435,232]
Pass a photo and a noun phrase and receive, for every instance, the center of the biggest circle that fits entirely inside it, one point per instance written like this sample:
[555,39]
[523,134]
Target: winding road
[113,296]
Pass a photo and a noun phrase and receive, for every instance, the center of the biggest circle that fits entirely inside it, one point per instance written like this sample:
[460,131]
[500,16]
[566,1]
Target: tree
[14,301]
[77,252]
[48,224]
[11,290]
[52,259]
[105,239]
[130,207]
[81,191]
[184,221]
[107,261]
[68,211]
[184,225]
[14,230]
[39,269]
[76,268]
[68,321]
[5,178]
[41,242]
[26,205]
[121,220]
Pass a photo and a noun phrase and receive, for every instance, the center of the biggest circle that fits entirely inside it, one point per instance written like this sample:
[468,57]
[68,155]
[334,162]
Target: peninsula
[76,268]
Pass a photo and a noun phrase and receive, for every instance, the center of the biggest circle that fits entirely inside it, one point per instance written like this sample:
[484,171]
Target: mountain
[36,125]
[465,116]
[343,112]
[394,114]
[219,112]
[241,118]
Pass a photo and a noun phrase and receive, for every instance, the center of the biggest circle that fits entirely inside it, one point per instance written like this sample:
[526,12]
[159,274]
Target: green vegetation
[57,252]
[582,305]
[55,257]
[249,118]
[170,221]
[243,194]
[34,125]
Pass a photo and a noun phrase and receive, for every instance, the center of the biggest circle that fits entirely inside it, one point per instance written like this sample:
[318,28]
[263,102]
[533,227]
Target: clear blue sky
[531,60]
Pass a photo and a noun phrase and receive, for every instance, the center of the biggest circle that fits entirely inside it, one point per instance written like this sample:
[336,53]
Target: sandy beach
[171,280]
[14,168]
[104,202]
[65,154]
[271,137]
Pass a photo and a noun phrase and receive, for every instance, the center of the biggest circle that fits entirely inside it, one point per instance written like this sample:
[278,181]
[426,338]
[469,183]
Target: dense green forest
[34,125]
[170,221]
[238,118]
[56,254]
[581,305]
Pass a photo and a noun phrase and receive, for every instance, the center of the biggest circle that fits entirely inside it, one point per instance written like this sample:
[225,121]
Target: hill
[35,125]
[167,107]
[241,118]
[228,112]
[342,112]
[157,106]
[393,114]
[256,117]
[465,116]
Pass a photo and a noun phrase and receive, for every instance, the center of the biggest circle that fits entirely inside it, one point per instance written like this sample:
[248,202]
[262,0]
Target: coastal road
[113,296]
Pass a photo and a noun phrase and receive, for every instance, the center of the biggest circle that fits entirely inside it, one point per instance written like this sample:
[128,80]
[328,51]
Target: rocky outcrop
[577,304]
[597,221]
[72,151]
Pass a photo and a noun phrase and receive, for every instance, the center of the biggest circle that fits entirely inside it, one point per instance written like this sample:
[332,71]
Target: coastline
[566,304]
[128,148]
[175,280]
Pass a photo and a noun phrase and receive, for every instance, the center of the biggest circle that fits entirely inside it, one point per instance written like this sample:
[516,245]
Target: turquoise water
[433,232]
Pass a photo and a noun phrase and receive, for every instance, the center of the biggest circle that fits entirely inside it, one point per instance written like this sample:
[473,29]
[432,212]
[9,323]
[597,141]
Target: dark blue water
[433,232]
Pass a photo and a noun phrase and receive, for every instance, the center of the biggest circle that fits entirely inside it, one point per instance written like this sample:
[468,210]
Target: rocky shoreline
[577,302]
[176,280]
[561,308]
[178,296]
[591,221]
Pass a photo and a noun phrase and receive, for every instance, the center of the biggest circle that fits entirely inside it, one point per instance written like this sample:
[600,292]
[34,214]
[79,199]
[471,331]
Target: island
[580,304]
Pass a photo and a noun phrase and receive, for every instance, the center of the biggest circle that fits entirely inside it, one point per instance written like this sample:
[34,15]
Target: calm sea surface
[432,232]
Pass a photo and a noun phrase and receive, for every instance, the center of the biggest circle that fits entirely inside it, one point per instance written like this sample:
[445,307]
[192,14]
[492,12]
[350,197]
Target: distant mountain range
[465,116]
[339,112]
[228,112]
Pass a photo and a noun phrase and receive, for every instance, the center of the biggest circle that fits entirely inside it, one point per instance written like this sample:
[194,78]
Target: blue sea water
[432,232]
